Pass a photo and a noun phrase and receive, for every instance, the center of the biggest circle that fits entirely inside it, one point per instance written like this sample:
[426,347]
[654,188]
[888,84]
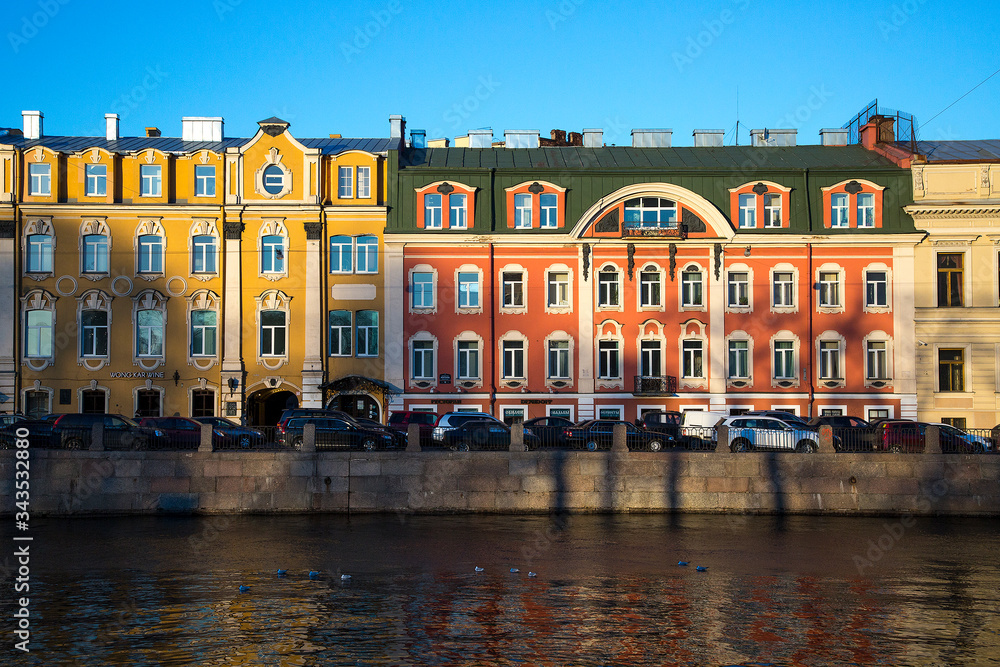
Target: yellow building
[956,190]
[193,275]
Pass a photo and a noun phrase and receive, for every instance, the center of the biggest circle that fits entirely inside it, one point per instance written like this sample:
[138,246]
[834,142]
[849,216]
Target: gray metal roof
[177,145]
[946,151]
[724,158]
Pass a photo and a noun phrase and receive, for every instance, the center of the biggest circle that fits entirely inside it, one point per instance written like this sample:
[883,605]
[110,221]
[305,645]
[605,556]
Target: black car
[398,436]
[665,422]
[485,434]
[73,431]
[291,413]
[233,434]
[39,434]
[599,434]
[334,433]
[549,430]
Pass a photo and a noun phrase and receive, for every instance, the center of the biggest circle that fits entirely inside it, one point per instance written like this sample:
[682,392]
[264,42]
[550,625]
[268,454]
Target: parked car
[233,434]
[73,430]
[400,421]
[905,436]
[8,419]
[312,412]
[664,422]
[751,432]
[698,428]
[334,433]
[549,430]
[595,434]
[855,434]
[450,420]
[955,440]
[181,432]
[39,434]
[783,415]
[485,434]
[399,438]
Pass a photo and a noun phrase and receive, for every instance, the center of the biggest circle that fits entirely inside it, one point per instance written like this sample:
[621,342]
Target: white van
[698,428]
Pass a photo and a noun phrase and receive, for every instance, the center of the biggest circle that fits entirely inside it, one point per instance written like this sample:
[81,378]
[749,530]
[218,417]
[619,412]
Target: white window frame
[564,357]
[547,213]
[841,343]
[462,292]
[840,210]
[84,354]
[458,213]
[875,308]
[604,270]
[95,182]
[411,284]
[156,249]
[865,214]
[89,245]
[43,252]
[737,307]
[214,328]
[747,218]
[523,212]
[423,337]
[150,180]
[601,353]
[342,329]
[147,334]
[654,269]
[571,408]
[204,180]
[790,293]
[682,285]
[343,242]
[433,215]
[739,337]
[200,248]
[513,307]
[785,337]
[277,252]
[885,355]
[566,307]
[772,213]
[650,344]
[345,182]
[362,248]
[469,338]
[511,338]
[684,355]
[364,182]
[273,329]
[36,181]
[839,285]
[39,333]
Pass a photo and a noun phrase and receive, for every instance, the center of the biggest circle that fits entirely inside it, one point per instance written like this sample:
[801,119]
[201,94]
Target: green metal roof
[724,158]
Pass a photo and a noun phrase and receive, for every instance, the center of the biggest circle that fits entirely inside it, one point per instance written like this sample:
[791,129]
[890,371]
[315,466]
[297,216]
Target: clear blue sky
[449,66]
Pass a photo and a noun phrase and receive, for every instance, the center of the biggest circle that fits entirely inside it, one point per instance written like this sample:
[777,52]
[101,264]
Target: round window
[274,180]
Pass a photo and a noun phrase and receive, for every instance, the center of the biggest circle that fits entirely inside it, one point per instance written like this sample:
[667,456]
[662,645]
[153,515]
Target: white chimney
[520,138]
[111,122]
[397,126]
[593,137]
[833,136]
[201,128]
[706,138]
[32,124]
[651,138]
[481,138]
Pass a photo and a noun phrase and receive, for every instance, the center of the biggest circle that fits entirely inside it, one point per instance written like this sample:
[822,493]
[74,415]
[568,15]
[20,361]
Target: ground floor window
[877,413]
[203,403]
[513,415]
[147,403]
[609,413]
[93,402]
[957,422]
[36,404]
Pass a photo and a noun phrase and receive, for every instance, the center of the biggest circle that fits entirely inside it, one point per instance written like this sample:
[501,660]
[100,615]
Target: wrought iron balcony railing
[655,384]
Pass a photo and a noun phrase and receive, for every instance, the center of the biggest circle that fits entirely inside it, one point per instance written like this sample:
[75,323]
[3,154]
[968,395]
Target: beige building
[956,190]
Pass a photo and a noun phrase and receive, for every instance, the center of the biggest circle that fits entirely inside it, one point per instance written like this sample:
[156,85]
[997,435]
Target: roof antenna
[737,115]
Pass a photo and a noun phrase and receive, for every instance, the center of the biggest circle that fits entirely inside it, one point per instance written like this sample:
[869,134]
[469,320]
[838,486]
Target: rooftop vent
[834,136]
[152,131]
[418,138]
[768,137]
[593,138]
[651,138]
[201,128]
[708,138]
[481,138]
[521,138]
[111,126]
[32,124]
[397,126]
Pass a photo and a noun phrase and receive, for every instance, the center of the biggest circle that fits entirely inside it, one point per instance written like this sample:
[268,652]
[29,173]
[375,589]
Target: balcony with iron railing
[638,230]
[655,385]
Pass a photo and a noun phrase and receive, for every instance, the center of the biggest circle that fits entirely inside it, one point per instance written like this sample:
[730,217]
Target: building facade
[194,275]
[592,281]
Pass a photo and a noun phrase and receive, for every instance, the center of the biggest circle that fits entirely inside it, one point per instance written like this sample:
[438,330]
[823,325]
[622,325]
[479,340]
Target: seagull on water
[282,573]
[479,569]
[514,570]
[313,574]
[244,589]
[682,563]
[345,577]
[701,568]
[532,574]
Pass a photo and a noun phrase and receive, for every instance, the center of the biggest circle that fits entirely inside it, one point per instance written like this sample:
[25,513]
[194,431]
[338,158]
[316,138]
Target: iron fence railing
[655,384]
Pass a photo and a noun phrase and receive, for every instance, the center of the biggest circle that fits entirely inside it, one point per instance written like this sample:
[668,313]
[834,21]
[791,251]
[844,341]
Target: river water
[607,590]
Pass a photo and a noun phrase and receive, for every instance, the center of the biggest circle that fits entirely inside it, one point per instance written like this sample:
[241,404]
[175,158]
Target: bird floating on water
[244,589]
[532,574]
[313,574]
[282,573]
[701,568]
[514,570]
[682,563]
[479,569]
[345,577]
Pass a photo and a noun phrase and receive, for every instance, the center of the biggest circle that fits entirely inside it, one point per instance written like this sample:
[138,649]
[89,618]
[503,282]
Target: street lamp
[234,384]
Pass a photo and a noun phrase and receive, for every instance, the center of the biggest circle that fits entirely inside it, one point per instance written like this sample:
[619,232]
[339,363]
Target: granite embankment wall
[149,482]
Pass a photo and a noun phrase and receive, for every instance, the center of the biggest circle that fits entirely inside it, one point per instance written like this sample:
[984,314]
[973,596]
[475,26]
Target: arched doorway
[359,406]
[264,407]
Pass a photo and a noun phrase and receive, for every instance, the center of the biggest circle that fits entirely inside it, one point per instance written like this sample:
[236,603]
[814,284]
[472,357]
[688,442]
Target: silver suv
[751,432]
[451,420]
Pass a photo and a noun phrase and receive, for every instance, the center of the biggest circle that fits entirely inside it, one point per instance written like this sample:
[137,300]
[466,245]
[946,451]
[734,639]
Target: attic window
[274,180]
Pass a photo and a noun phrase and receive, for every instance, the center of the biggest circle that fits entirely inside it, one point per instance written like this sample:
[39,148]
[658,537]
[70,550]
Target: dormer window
[855,204]
[535,205]
[651,212]
[274,179]
[765,202]
[445,205]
